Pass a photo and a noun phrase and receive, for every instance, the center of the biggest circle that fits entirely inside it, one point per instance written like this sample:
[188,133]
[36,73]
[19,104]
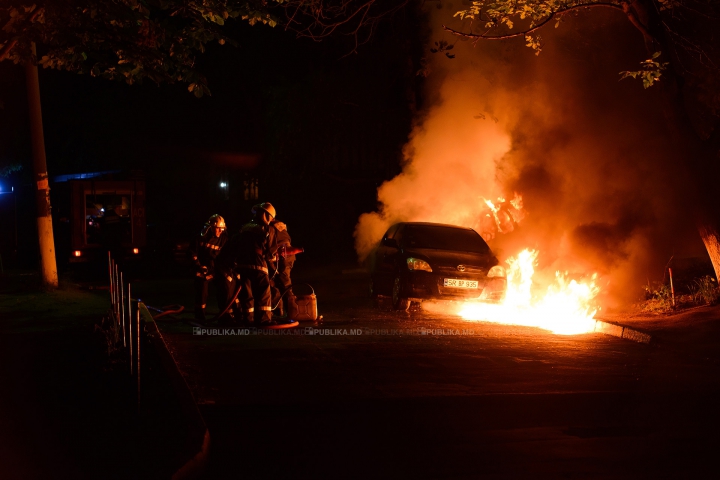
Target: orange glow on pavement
[563,307]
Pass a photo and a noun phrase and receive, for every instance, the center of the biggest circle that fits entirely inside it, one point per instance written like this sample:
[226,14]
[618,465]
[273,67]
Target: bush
[705,291]
[658,298]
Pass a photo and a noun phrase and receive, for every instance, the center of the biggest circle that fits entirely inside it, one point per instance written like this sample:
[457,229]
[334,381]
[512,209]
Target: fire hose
[284,251]
[168,310]
[234,297]
[230,303]
[173,309]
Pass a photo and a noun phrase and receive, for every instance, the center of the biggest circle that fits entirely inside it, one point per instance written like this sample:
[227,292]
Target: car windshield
[443,238]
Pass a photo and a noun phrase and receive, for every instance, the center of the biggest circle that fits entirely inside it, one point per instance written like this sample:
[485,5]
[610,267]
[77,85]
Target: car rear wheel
[398,301]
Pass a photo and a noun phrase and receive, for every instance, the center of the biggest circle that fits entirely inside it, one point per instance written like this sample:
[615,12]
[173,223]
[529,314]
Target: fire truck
[97,212]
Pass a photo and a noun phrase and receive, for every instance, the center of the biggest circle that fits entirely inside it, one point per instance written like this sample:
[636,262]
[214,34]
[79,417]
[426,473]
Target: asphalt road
[419,395]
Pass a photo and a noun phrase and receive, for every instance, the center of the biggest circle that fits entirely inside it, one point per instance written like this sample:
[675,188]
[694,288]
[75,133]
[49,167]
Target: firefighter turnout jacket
[204,252]
[281,233]
[249,253]
[257,246]
[282,239]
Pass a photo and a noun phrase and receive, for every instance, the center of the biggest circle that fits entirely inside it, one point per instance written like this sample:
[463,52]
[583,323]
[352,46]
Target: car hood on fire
[452,258]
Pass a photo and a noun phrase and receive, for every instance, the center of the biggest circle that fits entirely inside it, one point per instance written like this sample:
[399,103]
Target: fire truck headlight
[417,264]
[496,271]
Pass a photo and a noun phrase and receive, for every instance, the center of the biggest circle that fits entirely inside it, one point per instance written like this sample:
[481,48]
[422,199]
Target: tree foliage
[158,40]
[677,33]
[650,71]
[128,40]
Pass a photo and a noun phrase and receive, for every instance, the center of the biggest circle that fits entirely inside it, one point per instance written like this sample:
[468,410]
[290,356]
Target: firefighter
[256,246]
[282,286]
[205,250]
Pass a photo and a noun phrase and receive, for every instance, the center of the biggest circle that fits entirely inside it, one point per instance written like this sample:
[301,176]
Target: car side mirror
[389,242]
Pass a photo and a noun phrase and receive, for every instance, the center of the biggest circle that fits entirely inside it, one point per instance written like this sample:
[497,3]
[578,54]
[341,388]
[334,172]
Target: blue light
[83,176]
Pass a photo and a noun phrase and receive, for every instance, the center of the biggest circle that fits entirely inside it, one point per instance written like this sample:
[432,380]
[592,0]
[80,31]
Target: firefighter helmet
[216,221]
[267,206]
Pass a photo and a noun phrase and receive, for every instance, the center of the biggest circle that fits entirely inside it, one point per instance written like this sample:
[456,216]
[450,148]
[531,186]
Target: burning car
[416,261]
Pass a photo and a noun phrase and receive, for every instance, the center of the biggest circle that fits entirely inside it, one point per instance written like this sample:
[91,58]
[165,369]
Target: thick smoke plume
[449,170]
[601,187]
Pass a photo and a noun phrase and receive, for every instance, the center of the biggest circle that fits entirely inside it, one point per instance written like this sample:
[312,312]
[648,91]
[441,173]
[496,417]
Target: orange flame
[500,216]
[566,307]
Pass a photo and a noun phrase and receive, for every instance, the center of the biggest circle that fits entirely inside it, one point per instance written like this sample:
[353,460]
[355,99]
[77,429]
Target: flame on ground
[566,307]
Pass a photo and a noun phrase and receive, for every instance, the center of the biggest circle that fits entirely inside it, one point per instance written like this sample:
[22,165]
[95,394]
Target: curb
[621,331]
[195,466]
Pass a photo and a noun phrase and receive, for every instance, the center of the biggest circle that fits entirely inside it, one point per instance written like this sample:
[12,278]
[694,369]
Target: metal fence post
[130,342]
[138,356]
[129,315]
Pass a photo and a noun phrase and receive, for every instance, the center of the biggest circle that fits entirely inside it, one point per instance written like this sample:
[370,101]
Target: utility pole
[48,265]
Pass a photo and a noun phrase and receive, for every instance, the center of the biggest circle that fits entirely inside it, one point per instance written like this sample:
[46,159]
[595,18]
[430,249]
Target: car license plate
[458,283]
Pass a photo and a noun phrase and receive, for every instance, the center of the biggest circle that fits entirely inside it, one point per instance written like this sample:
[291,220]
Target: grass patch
[25,307]
[705,291]
[659,298]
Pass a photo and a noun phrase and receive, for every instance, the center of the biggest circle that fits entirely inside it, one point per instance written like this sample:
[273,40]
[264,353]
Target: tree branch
[316,21]
[533,28]
[5,50]
[633,18]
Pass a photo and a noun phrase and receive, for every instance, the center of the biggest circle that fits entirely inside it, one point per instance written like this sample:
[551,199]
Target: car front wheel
[398,301]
